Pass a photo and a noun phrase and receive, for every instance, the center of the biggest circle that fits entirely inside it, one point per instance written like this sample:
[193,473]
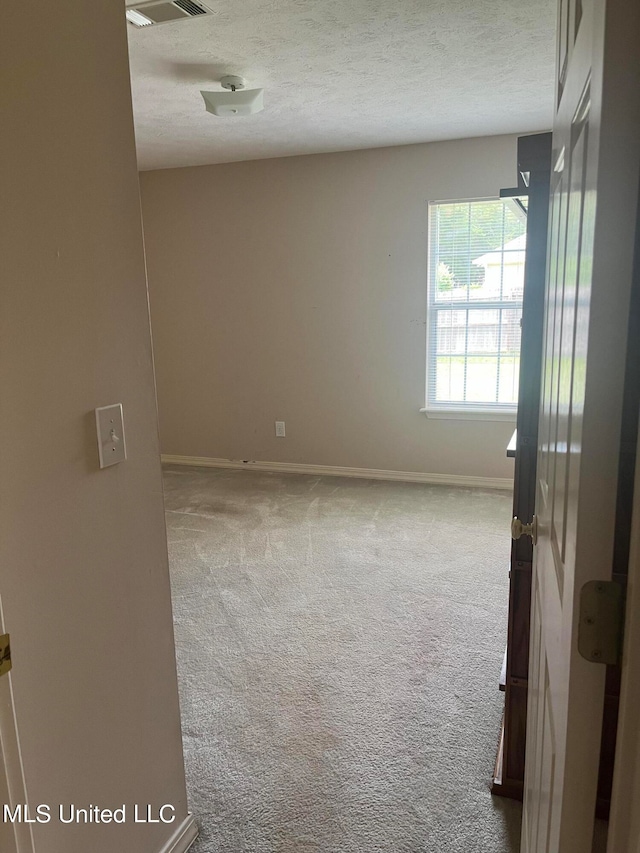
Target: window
[476,282]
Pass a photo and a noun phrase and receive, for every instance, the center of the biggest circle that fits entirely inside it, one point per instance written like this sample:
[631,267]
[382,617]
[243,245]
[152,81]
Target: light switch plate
[110,427]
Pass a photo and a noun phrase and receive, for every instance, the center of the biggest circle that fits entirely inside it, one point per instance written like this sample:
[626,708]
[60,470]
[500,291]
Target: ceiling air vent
[164,12]
[189,7]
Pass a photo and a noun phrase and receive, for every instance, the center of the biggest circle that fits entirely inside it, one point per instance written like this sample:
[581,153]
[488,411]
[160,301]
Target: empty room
[320,334]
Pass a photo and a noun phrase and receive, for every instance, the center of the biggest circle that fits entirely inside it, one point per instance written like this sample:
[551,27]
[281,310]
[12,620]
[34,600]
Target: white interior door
[591,231]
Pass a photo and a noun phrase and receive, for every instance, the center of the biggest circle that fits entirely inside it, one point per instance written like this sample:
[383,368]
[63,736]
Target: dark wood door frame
[534,167]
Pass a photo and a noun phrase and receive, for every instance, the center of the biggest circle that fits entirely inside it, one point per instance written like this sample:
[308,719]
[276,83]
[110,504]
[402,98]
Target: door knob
[519,529]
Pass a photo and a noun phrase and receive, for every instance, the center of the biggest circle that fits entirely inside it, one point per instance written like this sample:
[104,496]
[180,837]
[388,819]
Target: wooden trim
[183,837]
[501,787]
[334,471]
[499,765]
[502,684]
[534,159]
[624,822]
[510,788]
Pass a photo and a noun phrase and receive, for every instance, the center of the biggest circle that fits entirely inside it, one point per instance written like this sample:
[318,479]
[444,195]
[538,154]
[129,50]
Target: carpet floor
[339,644]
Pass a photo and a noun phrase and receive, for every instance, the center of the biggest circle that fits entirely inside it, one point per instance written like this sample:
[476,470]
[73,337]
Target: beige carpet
[339,647]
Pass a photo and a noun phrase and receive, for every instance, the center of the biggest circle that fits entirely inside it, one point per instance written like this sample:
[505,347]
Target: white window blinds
[476,281]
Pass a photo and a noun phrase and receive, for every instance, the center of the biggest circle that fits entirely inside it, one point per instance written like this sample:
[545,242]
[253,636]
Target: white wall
[83,560]
[295,289]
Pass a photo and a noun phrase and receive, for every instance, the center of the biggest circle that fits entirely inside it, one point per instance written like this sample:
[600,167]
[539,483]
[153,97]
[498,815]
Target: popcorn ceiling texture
[342,75]
[339,646]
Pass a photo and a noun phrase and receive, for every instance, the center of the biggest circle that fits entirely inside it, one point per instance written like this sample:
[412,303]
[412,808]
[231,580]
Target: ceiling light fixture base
[232,82]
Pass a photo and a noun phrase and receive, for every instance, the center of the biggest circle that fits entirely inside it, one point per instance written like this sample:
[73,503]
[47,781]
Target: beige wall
[295,289]
[83,560]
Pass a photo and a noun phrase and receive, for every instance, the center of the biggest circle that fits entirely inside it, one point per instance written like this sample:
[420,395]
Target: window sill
[469,415]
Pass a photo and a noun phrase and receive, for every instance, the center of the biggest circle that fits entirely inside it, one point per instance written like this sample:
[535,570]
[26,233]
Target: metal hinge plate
[600,628]
[5,654]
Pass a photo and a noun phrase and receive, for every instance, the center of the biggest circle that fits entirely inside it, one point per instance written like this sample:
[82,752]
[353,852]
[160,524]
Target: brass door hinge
[5,654]
[600,627]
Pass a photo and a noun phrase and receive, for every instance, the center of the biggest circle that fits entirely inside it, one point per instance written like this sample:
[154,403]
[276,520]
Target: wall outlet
[280,429]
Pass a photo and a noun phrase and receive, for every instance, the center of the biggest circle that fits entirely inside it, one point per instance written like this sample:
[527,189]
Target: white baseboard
[183,837]
[333,471]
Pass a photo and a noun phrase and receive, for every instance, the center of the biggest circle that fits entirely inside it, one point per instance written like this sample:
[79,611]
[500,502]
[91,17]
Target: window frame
[447,410]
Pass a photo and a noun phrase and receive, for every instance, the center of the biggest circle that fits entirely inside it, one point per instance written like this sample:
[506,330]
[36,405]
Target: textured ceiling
[342,74]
